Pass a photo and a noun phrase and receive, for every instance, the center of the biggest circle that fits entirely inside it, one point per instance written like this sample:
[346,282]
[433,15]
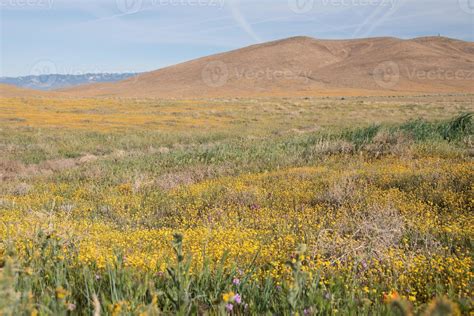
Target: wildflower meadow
[270,206]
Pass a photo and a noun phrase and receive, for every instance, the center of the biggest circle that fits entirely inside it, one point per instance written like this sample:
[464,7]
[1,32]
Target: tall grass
[450,130]
[50,282]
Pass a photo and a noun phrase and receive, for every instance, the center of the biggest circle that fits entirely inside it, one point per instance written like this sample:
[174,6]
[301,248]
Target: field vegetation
[299,206]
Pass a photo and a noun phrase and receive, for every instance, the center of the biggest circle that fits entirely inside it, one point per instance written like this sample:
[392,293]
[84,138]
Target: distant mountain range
[59,81]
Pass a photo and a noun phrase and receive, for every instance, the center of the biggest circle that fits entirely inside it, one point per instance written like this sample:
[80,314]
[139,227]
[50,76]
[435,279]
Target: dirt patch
[87,159]
[15,169]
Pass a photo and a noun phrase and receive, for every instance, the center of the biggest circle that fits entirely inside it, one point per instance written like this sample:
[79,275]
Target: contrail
[240,19]
[374,22]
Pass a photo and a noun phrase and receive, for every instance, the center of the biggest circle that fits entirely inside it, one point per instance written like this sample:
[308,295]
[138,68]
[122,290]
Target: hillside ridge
[303,65]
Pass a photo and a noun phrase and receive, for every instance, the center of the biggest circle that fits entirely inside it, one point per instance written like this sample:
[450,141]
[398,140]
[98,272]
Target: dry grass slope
[9,91]
[305,66]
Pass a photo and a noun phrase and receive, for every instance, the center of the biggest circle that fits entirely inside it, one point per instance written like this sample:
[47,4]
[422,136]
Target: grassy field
[297,206]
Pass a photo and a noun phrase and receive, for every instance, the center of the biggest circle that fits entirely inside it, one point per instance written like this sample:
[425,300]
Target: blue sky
[76,37]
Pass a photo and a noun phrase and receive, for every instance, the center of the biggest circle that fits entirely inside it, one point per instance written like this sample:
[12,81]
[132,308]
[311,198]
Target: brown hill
[306,66]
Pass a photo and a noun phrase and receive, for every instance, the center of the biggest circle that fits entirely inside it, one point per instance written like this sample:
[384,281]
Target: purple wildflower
[237,299]
[236,282]
[229,307]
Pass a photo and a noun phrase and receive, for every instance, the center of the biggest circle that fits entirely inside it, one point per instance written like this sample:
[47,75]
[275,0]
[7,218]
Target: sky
[95,36]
